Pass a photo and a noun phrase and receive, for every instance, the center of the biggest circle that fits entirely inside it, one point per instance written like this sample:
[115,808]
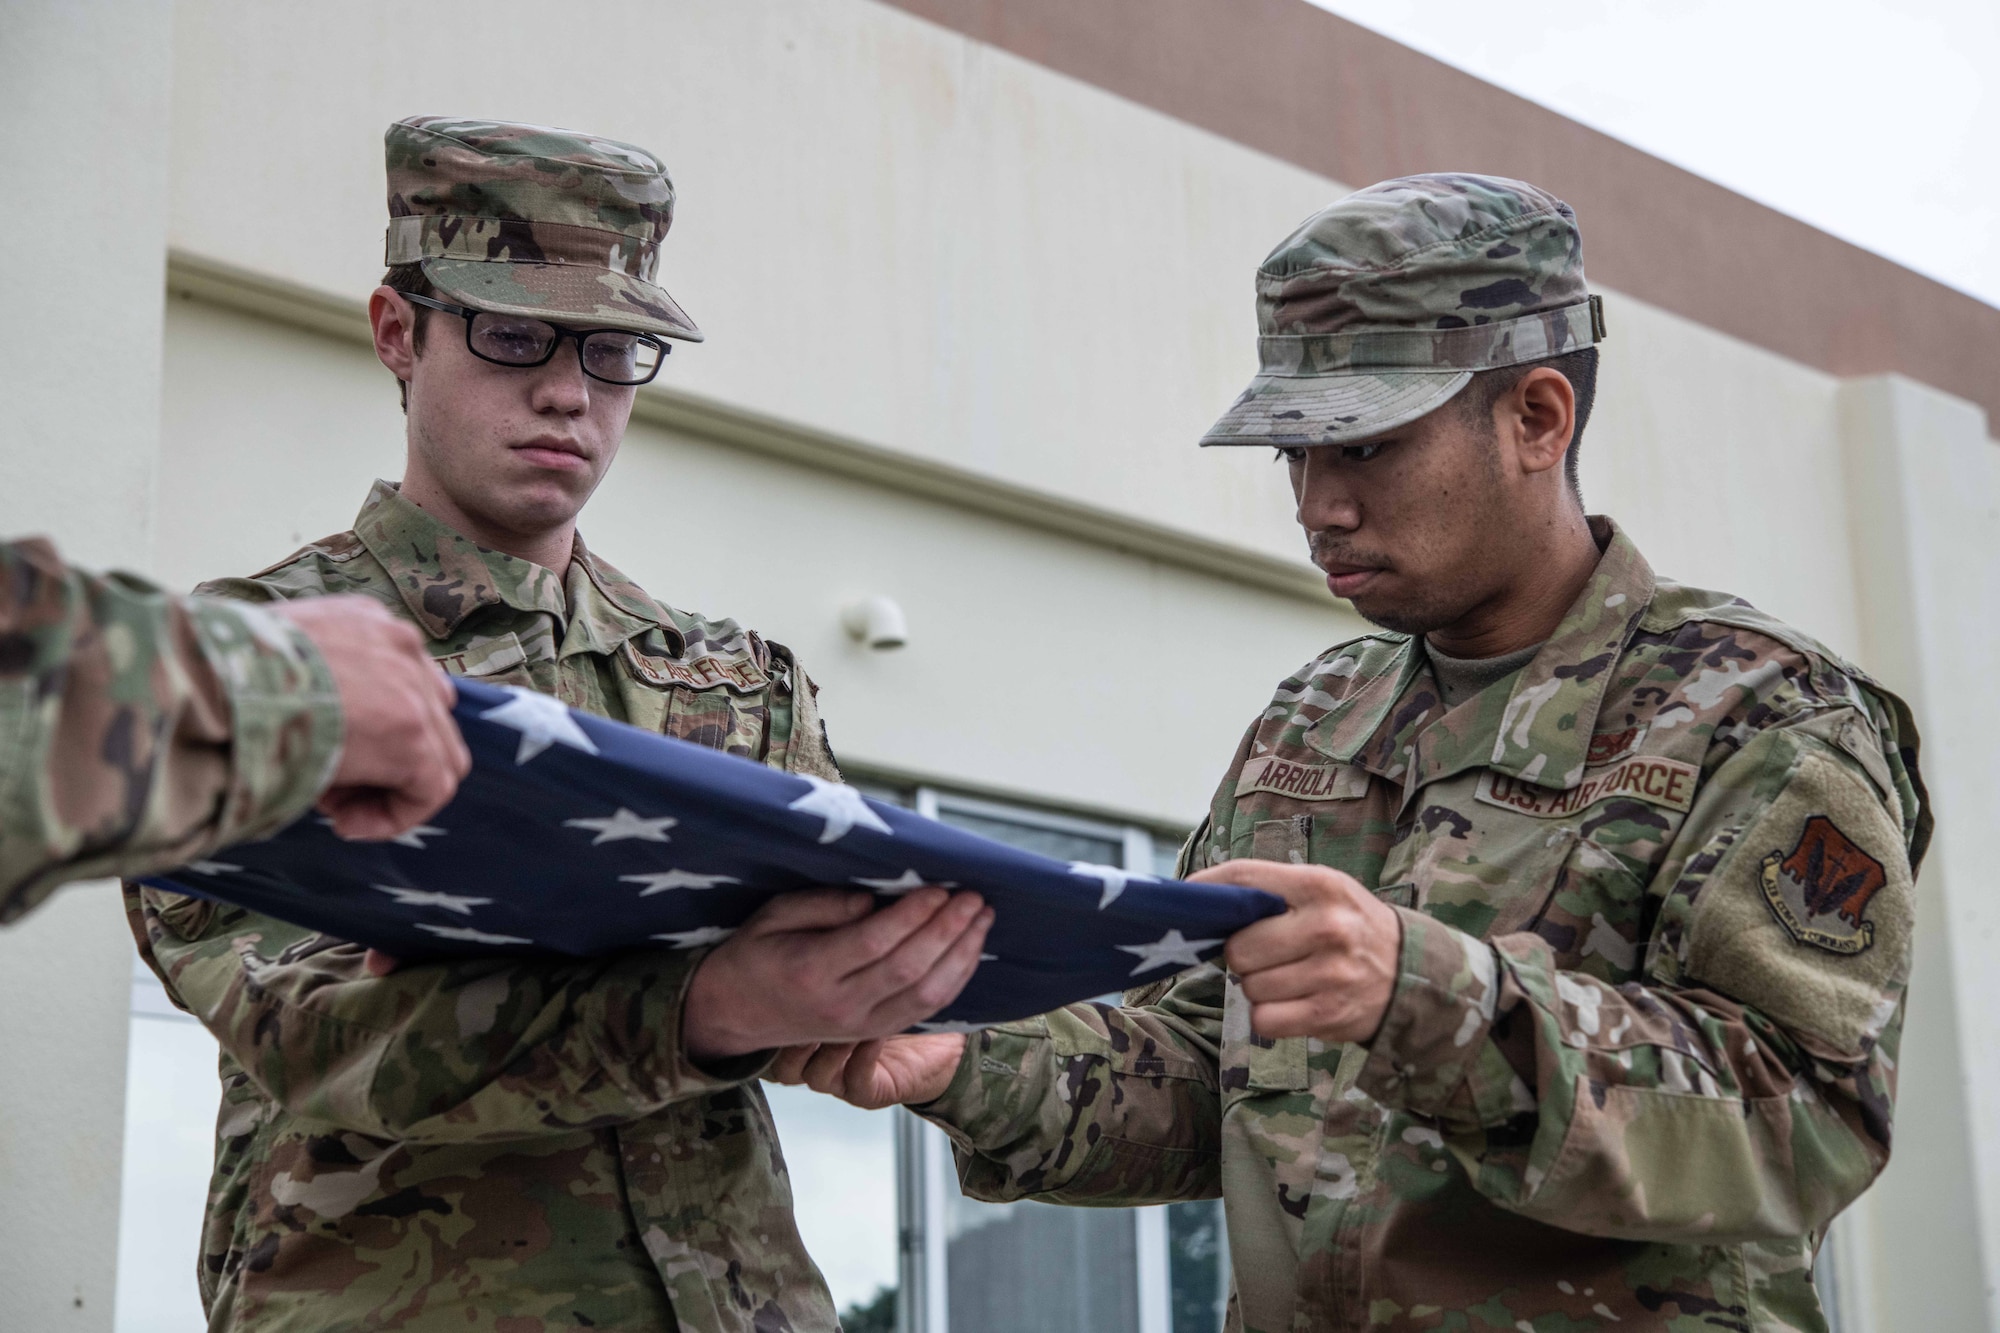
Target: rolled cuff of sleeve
[1432,1055]
[285,718]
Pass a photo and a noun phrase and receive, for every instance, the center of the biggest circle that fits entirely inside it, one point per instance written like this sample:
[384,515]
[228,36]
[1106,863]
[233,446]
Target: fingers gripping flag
[579,836]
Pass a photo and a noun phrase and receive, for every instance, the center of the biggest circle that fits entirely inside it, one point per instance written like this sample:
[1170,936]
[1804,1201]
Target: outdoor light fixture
[877,622]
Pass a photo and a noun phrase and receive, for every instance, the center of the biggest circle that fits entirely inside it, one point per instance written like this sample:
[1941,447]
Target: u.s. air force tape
[1668,783]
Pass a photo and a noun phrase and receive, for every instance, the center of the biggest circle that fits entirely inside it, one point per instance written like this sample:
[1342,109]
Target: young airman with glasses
[505,1144]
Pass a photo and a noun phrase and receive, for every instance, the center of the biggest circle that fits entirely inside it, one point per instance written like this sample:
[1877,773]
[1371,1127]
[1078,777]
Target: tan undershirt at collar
[1459,678]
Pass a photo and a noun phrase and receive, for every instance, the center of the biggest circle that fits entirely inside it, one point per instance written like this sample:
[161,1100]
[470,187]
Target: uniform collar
[443,577]
[1395,724]
[1371,724]
[1544,731]
[606,608]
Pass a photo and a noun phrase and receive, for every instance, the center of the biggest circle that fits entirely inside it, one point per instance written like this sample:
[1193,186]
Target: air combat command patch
[1819,890]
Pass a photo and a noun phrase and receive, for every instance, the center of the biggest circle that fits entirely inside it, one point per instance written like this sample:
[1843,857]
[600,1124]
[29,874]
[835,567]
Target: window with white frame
[971,1267]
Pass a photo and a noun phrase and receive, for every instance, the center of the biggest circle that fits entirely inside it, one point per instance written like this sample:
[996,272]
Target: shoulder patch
[1808,914]
[1820,890]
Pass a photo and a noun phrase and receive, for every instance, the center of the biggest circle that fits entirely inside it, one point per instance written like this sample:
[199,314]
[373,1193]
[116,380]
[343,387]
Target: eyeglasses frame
[562,331]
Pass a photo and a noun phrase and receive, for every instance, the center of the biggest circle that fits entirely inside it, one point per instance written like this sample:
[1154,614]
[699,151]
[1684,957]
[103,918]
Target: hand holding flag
[825,966]
[578,836]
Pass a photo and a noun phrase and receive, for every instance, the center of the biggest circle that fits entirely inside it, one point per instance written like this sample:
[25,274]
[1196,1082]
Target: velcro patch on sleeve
[1668,783]
[1302,782]
[1808,917]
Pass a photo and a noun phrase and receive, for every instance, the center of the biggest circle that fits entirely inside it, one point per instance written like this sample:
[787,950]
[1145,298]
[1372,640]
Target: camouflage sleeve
[139,731]
[1094,1104]
[1744,1088]
[470,1051]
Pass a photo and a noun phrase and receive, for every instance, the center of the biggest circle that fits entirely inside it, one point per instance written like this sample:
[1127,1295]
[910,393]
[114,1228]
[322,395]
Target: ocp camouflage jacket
[1656,898]
[139,731]
[495,1146]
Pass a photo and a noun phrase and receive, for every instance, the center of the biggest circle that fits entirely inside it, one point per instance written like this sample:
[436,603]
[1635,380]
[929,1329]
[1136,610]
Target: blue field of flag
[579,836]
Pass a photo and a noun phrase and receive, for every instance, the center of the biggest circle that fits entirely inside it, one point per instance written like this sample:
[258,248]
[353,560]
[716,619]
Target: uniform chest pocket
[1598,916]
[1313,814]
[1251,1065]
[708,700]
[716,718]
[1484,877]
[1506,876]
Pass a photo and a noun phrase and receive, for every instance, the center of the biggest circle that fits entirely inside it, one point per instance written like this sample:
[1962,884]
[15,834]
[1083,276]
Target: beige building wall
[966,318]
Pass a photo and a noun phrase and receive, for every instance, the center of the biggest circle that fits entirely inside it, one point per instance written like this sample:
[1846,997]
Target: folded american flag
[575,835]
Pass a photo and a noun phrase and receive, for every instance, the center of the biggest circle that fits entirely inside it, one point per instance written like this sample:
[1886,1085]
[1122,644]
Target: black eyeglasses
[615,356]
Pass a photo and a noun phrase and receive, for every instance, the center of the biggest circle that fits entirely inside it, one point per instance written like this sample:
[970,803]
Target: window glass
[171,1097]
[1198,1259]
[882,791]
[1035,1268]
[1062,844]
[842,1163]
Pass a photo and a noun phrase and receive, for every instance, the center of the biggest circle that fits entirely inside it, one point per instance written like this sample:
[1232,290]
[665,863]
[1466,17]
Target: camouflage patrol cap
[1380,306]
[528,220]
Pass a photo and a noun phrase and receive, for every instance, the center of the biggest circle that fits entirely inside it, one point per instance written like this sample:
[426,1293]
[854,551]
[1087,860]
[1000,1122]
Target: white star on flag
[623,825]
[840,805]
[469,935]
[902,884]
[1113,878]
[542,721]
[213,868]
[415,837]
[1170,948]
[450,902]
[676,879]
[694,939]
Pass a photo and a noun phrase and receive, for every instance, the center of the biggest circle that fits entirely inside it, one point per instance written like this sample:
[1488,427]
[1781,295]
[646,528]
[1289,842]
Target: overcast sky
[1877,122]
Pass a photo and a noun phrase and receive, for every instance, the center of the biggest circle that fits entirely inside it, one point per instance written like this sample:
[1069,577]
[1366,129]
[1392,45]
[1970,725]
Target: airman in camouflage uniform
[526,1145]
[139,730]
[505,1146]
[1653,879]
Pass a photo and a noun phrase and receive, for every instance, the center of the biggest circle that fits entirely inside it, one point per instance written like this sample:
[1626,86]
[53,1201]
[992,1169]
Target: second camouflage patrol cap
[1379,308]
[528,220]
